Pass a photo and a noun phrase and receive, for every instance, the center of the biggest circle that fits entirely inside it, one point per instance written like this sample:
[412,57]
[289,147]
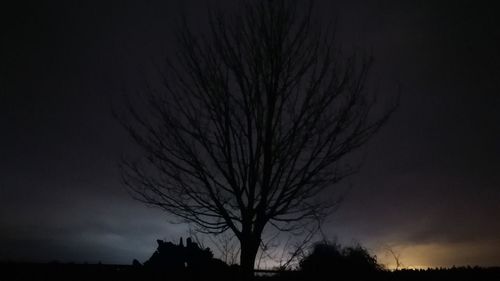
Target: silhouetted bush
[331,259]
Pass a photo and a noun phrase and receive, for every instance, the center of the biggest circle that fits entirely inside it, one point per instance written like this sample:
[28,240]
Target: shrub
[331,259]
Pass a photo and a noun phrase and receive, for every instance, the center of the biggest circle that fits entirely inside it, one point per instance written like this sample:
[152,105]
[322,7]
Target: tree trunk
[249,248]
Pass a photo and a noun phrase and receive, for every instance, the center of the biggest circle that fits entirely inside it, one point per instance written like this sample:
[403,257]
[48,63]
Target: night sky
[429,187]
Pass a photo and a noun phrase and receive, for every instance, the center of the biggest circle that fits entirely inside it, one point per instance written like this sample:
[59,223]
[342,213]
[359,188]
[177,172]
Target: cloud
[87,227]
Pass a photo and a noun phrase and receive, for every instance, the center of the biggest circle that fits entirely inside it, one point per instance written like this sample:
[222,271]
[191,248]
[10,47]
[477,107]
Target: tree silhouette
[250,124]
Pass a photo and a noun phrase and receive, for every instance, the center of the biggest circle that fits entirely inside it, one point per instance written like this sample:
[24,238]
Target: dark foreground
[56,271]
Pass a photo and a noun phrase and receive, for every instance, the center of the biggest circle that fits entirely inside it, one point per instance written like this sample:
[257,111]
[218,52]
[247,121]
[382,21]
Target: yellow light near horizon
[411,257]
[435,255]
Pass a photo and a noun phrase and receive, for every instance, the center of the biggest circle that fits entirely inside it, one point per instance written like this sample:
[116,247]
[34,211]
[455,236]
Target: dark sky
[429,188]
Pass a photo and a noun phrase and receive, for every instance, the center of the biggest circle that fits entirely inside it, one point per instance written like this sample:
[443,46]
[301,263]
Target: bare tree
[250,124]
[396,255]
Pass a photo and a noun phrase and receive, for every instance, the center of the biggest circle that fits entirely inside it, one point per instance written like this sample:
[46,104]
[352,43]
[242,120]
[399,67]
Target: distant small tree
[251,124]
[396,255]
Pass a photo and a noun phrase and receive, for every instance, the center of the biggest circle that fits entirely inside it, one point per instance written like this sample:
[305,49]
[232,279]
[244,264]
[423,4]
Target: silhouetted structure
[185,261]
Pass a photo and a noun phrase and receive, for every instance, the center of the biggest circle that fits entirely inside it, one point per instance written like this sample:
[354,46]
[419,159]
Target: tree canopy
[251,123]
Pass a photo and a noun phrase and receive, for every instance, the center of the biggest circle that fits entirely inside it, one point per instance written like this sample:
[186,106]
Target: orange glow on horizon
[435,255]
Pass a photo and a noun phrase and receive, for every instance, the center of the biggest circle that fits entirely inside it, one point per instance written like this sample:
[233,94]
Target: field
[58,271]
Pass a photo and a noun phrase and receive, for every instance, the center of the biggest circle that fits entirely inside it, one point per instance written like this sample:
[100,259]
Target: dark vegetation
[346,261]
[326,261]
